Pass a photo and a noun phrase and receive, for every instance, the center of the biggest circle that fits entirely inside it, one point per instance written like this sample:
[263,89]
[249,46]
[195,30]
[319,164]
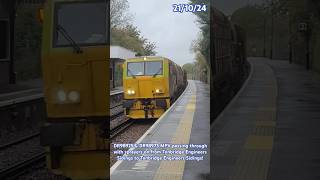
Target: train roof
[149,58]
[145,58]
[218,15]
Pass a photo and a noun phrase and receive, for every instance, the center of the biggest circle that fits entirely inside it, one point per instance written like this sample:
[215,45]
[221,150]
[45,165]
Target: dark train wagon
[229,59]
[6,29]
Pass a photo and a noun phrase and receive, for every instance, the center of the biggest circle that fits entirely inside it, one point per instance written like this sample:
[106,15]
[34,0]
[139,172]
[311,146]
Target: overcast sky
[172,32]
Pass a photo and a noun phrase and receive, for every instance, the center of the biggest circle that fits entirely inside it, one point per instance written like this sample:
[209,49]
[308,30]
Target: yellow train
[151,85]
[76,81]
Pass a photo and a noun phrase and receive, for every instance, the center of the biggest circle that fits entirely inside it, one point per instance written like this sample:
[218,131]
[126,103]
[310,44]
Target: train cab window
[4,39]
[74,25]
[147,68]
[153,68]
[135,69]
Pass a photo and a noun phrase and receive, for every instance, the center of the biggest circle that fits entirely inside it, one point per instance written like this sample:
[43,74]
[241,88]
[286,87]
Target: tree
[189,67]
[124,34]
[130,37]
[149,49]
[203,20]
[119,16]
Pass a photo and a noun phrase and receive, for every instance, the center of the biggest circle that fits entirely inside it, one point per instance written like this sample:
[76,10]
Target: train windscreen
[148,68]
[153,68]
[135,69]
[74,25]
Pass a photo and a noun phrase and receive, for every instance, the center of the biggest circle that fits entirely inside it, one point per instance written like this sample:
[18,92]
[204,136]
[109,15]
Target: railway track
[120,128]
[116,111]
[21,140]
[119,122]
[23,167]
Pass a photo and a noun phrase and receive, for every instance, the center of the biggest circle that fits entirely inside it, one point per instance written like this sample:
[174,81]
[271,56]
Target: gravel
[130,136]
[41,174]
[20,152]
[24,151]
[8,137]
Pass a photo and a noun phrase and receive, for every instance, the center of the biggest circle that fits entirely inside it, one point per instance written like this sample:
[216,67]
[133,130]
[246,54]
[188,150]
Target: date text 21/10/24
[189,8]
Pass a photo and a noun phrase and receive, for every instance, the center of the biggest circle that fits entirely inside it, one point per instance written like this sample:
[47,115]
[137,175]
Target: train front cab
[76,81]
[146,87]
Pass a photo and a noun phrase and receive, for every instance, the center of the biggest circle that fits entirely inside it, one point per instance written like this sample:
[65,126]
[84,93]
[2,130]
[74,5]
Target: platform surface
[20,92]
[270,131]
[116,90]
[187,121]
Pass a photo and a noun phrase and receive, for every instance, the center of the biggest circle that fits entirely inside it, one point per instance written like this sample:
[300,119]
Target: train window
[153,68]
[135,69]
[147,68]
[4,39]
[73,25]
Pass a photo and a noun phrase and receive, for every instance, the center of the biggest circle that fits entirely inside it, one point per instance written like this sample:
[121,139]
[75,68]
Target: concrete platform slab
[187,121]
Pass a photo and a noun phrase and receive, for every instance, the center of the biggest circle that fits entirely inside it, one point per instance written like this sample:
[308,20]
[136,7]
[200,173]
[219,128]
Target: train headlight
[74,96]
[158,91]
[61,96]
[131,92]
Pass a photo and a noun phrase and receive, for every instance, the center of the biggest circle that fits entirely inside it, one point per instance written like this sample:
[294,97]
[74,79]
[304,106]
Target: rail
[23,139]
[20,168]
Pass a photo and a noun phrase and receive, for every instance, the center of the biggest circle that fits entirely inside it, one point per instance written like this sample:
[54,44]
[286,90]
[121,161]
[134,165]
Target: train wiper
[131,73]
[66,35]
[154,75]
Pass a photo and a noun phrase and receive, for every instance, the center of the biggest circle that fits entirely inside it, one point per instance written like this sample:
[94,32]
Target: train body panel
[66,72]
[229,59]
[82,78]
[150,85]
[76,80]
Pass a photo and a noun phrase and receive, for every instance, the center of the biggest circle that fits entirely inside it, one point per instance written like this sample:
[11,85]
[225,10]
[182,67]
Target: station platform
[185,122]
[20,92]
[270,130]
[115,91]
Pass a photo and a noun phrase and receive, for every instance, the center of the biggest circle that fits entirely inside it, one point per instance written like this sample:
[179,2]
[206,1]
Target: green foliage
[203,19]
[130,37]
[119,16]
[125,34]
[201,46]
[256,20]
[250,18]
[189,67]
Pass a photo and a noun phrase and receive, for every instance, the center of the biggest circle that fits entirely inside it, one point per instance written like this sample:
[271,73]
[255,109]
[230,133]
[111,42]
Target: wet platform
[270,130]
[20,92]
[186,122]
[115,91]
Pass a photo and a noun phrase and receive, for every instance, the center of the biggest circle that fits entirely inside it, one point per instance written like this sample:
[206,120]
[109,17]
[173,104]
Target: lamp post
[272,29]
[12,14]
[304,27]
[290,37]
[308,47]
[264,35]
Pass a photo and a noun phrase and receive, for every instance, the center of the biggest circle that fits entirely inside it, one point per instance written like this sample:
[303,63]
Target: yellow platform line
[254,159]
[173,170]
